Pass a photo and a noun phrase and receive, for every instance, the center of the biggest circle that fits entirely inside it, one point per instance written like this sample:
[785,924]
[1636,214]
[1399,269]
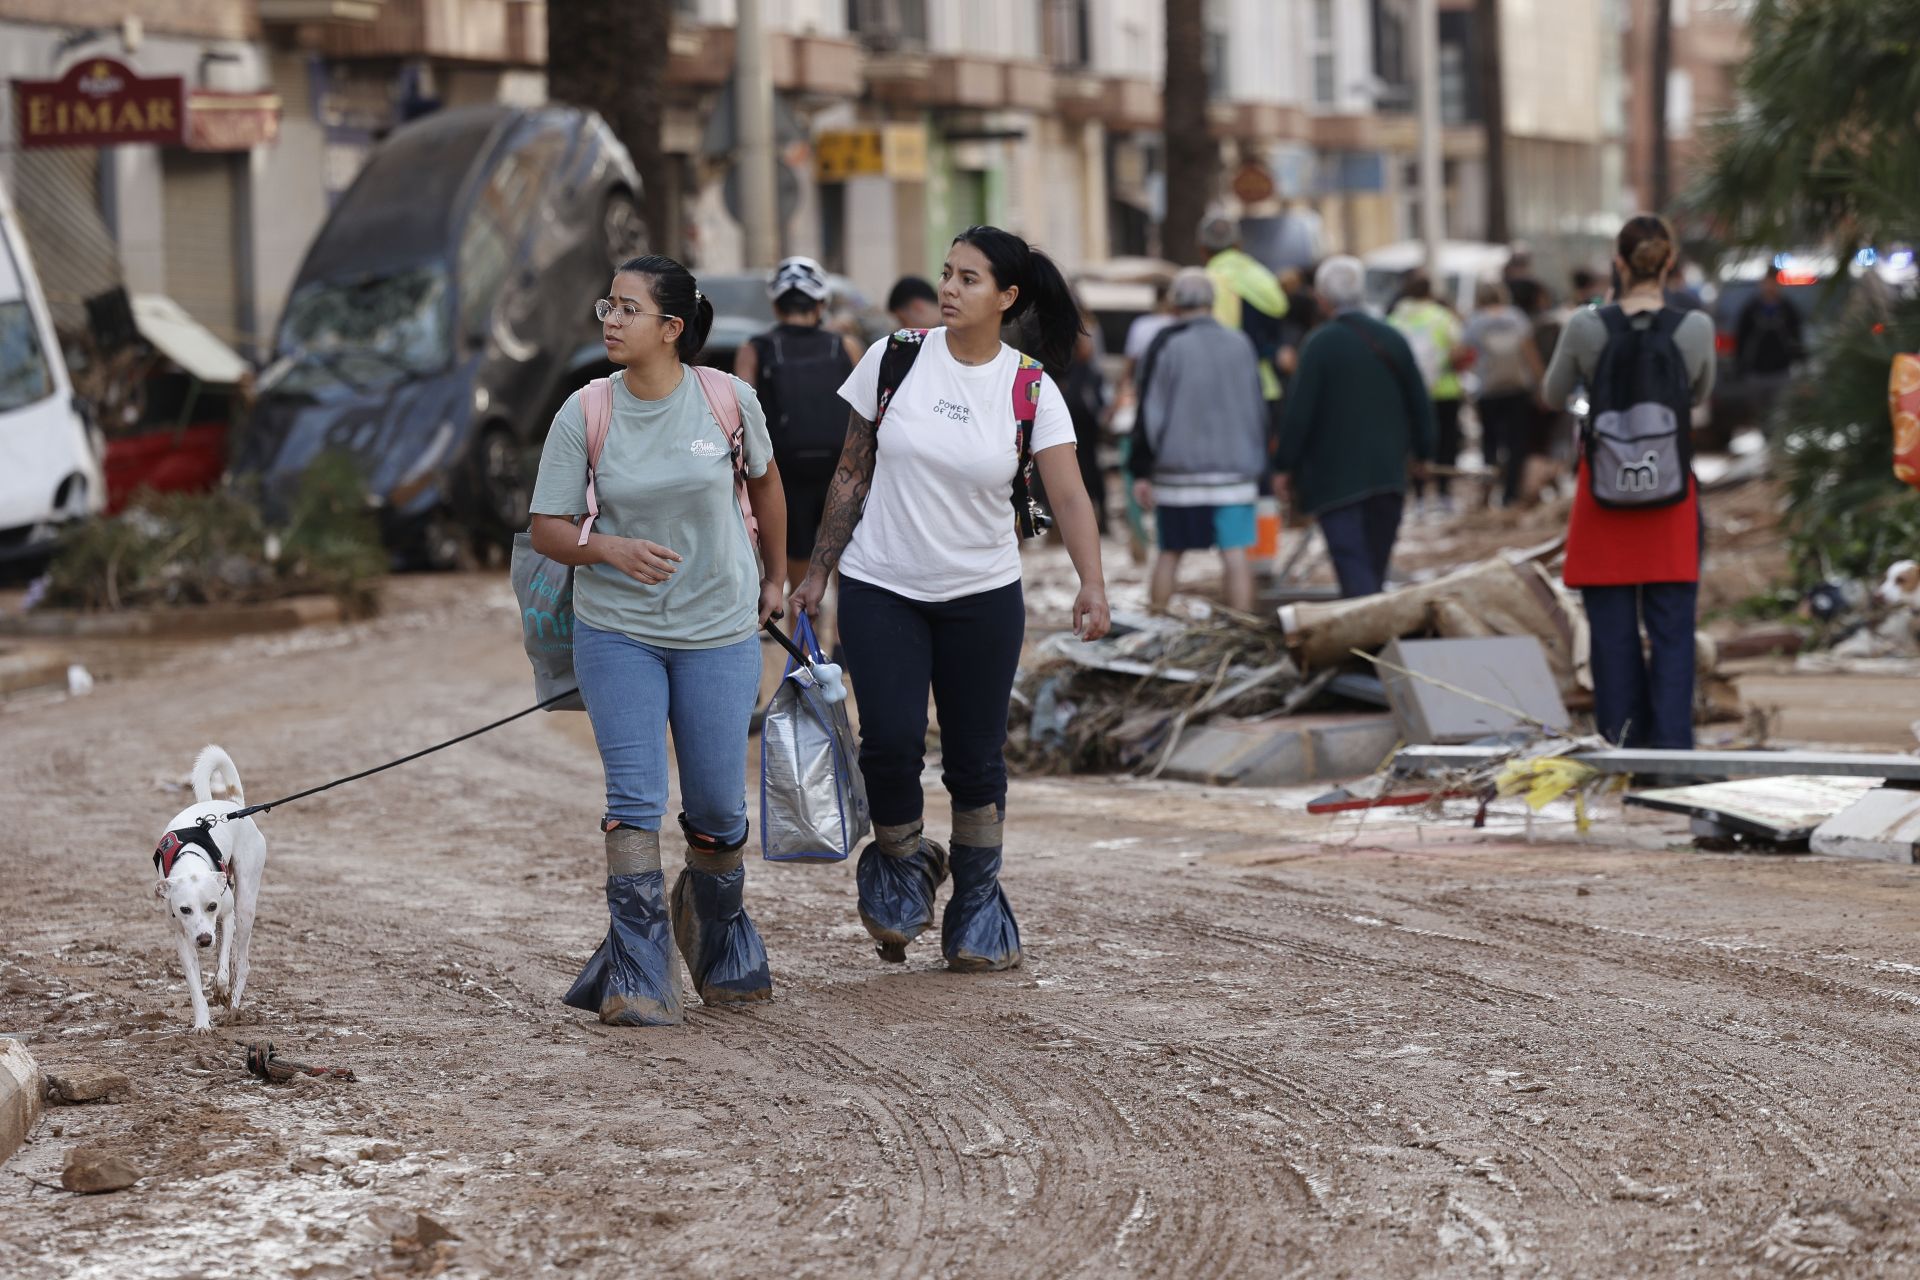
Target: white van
[1463,265]
[49,458]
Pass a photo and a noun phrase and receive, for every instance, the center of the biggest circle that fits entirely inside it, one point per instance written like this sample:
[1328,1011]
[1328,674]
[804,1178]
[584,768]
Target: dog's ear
[160,889]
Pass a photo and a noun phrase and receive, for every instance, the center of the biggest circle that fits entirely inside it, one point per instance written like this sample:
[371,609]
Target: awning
[185,341]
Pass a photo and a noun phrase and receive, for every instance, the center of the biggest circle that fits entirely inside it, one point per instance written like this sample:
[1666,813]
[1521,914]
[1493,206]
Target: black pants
[966,651]
[1446,422]
[1360,538]
[1506,438]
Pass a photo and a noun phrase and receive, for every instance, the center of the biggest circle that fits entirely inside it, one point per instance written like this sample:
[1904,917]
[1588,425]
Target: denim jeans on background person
[1360,538]
[633,691]
[1643,701]
[967,651]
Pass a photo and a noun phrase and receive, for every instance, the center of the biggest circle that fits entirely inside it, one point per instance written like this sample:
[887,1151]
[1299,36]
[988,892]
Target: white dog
[210,881]
[1901,586]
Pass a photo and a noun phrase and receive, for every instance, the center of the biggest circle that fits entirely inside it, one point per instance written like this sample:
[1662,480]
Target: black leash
[211,820]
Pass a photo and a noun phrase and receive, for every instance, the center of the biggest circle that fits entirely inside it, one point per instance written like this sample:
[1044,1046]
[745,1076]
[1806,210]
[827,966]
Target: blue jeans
[633,691]
[1360,538]
[1643,701]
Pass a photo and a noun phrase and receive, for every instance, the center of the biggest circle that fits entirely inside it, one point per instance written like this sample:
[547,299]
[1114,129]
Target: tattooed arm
[846,498]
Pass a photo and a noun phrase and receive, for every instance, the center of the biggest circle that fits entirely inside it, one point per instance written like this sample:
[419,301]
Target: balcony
[702,58]
[1079,97]
[1029,86]
[496,32]
[1258,122]
[1132,104]
[1364,133]
[946,80]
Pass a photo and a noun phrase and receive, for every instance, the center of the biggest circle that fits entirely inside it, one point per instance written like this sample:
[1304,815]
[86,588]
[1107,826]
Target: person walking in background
[1638,565]
[1507,369]
[914,304]
[1767,336]
[1200,442]
[668,602]
[928,504]
[1524,289]
[796,368]
[1433,333]
[1086,395]
[1247,296]
[1358,411]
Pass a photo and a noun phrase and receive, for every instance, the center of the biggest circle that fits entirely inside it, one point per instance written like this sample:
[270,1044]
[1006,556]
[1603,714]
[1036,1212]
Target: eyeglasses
[623,313]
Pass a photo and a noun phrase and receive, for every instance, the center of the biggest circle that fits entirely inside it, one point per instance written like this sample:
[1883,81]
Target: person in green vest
[1433,334]
[1248,297]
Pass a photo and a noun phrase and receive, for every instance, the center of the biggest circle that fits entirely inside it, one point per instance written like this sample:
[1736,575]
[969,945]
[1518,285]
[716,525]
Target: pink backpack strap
[723,401]
[596,402]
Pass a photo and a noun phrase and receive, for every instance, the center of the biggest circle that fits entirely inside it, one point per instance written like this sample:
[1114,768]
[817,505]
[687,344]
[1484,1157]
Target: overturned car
[442,316]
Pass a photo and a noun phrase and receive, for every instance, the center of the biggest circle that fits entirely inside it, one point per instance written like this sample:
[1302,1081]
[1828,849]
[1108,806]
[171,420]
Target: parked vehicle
[742,309]
[442,316]
[191,387]
[1463,265]
[49,452]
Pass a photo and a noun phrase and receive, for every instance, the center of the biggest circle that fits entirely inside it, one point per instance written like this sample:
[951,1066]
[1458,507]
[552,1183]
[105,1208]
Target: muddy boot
[978,932]
[722,948]
[632,980]
[898,876]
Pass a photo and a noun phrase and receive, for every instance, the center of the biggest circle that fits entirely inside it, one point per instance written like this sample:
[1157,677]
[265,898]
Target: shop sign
[897,151]
[232,121]
[100,102]
[1253,183]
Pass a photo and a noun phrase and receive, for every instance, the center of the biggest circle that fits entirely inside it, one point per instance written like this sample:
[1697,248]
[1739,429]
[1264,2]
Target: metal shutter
[199,195]
[57,193]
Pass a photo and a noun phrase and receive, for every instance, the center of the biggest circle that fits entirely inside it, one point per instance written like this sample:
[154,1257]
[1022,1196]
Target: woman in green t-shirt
[668,601]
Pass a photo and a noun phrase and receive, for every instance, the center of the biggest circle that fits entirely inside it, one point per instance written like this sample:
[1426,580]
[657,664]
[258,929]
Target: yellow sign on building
[897,151]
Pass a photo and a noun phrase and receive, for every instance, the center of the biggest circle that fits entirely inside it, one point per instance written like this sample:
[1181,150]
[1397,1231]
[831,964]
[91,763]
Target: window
[1066,34]
[1219,65]
[367,333]
[1323,81]
[886,25]
[1455,109]
[24,376]
[1325,64]
[1323,20]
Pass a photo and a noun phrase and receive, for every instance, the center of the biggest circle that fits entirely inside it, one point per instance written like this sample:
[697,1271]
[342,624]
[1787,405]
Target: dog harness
[190,839]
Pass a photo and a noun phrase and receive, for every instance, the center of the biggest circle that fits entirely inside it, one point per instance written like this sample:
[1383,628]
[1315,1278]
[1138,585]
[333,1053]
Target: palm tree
[1661,161]
[1823,148]
[611,56]
[1193,160]
[1493,112]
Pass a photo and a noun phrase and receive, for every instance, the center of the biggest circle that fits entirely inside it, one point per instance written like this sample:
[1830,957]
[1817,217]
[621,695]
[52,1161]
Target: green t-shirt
[666,476]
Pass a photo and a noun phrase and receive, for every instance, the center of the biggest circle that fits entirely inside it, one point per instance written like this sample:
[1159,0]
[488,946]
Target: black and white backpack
[1639,442]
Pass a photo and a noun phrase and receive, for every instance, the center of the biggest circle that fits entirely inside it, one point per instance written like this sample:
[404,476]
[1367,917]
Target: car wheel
[506,492]
[624,229]
[442,546]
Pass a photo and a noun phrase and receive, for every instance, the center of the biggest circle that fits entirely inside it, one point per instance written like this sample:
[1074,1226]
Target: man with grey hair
[1358,411]
[1199,441]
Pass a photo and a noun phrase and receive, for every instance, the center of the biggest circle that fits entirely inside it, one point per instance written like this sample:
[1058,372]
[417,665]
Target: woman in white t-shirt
[921,523]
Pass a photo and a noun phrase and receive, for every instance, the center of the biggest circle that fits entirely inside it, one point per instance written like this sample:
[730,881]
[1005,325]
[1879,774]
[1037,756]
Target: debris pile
[1119,704]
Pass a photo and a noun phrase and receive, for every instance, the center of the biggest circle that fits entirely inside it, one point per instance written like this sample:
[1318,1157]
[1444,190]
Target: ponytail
[677,294]
[1045,317]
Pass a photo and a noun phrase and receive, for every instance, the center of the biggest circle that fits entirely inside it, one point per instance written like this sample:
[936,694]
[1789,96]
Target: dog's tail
[210,761]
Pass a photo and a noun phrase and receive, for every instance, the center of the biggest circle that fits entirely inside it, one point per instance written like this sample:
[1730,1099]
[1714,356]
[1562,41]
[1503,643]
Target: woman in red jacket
[1637,566]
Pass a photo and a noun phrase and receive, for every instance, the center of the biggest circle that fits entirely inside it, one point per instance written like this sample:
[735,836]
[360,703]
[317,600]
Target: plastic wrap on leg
[897,877]
[722,948]
[978,932]
[633,979]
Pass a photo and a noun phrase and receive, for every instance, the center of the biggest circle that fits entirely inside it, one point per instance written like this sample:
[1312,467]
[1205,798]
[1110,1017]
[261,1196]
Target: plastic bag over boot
[722,948]
[897,876]
[978,932]
[633,980]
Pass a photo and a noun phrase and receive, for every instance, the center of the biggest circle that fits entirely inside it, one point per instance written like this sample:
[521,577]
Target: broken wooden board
[1783,810]
[1415,761]
[1464,690]
[1883,826]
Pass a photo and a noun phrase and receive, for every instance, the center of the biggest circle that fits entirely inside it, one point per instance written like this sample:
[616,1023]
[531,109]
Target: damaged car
[442,316]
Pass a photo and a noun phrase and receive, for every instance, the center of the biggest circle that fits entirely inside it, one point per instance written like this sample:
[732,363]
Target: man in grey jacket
[1199,441]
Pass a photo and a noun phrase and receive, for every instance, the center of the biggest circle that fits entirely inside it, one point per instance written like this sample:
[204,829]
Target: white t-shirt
[938,523]
[1142,332]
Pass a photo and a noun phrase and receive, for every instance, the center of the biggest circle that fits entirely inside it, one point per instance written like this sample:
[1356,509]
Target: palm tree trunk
[1661,161]
[611,56]
[1193,160]
[1493,116]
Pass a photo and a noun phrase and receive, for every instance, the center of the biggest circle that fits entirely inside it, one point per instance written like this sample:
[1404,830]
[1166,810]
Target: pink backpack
[722,401]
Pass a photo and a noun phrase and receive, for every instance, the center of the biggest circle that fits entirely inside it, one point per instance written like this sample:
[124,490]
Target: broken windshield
[368,333]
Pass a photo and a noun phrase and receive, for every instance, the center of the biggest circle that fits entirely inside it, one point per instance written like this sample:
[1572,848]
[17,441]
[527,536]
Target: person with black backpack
[950,427]
[796,369]
[1633,539]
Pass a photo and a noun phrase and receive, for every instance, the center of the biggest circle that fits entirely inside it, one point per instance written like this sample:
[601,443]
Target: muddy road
[1244,1043]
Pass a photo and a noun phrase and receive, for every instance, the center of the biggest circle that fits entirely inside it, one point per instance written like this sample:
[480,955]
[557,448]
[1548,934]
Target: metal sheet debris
[1417,761]
[1782,810]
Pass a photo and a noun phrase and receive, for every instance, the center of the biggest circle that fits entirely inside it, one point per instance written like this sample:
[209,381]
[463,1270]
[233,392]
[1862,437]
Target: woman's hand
[773,599]
[643,561]
[1143,494]
[1091,619]
[812,590]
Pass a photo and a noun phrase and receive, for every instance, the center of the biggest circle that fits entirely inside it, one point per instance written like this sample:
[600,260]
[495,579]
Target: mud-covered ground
[1244,1043]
